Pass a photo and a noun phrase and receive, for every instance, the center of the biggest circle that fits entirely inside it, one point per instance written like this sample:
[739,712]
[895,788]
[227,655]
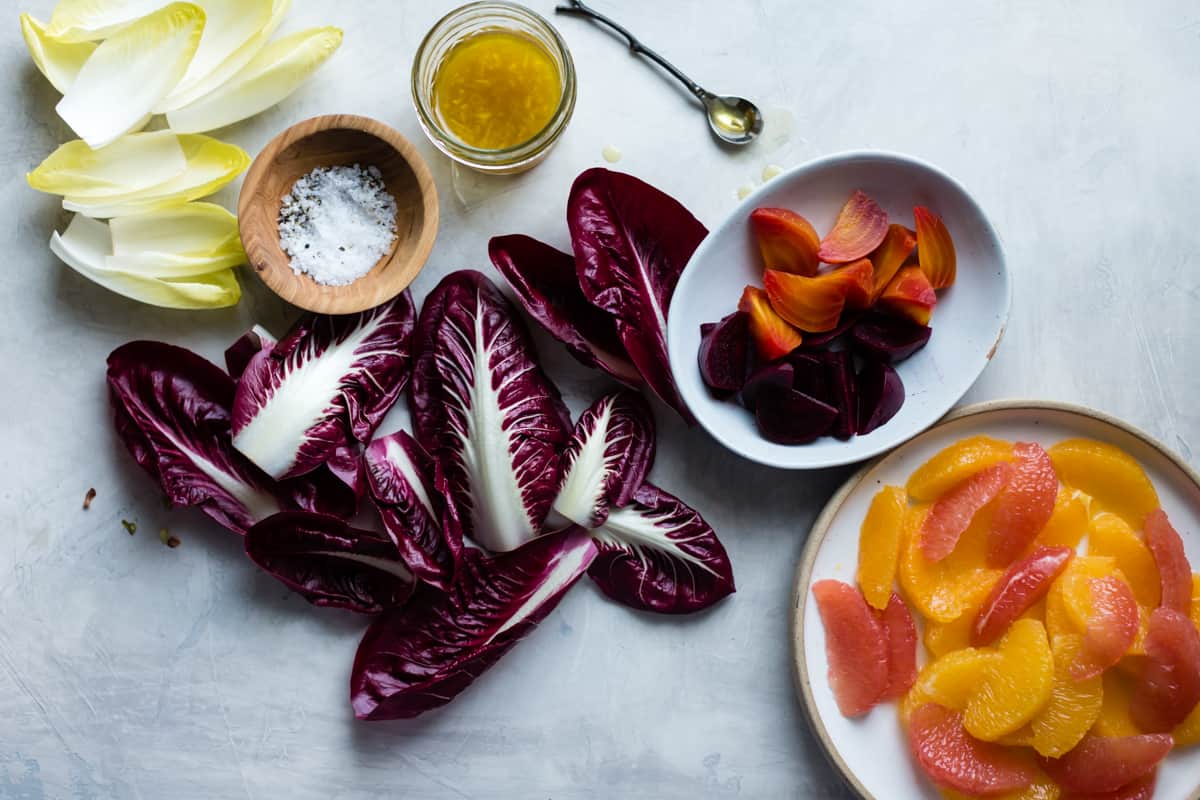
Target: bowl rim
[278,277]
[802,577]
[842,158]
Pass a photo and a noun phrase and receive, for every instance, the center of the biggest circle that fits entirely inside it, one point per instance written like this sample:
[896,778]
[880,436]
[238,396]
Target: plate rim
[824,161]
[820,529]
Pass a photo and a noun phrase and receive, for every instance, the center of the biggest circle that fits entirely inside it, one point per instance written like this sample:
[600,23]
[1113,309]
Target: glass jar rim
[518,154]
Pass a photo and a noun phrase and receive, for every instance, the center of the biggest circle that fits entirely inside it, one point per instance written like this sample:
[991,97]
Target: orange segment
[1074,705]
[1114,719]
[1110,476]
[1196,599]
[1041,789]
[945,590]
[1188,732]
[1110,535]
[1068,522]
[1068,602]
[955,464]
[879,545]
[942,638]
[948,681]
[1016,686]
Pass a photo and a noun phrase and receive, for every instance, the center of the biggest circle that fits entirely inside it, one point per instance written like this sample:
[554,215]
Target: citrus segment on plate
[1094,666]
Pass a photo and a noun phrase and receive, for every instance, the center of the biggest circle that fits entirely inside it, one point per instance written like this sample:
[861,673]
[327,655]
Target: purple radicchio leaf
[546,285]
[631,244]
[172,410]
[425,654]
[409,490]
[483,407]
[327,383]
[329,563]
[606,461]
[248,345]
[658,554]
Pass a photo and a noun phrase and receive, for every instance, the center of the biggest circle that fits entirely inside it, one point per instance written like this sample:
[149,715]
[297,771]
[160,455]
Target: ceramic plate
[871,752]
[967,323]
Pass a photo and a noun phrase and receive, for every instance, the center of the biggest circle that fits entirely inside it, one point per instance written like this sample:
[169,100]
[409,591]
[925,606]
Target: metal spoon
[733,119]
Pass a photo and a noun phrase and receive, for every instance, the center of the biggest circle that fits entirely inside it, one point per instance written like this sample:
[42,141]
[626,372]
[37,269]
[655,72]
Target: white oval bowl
[871,752]
[968,321]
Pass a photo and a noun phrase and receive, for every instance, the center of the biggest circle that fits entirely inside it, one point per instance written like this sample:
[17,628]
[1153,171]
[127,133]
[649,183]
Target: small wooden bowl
[336,140]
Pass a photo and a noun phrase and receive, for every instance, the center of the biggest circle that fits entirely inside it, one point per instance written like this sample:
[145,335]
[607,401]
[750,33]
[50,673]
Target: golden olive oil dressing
[496,89]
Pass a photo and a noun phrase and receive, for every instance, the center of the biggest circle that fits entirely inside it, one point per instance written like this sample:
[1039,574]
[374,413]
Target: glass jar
[469,20]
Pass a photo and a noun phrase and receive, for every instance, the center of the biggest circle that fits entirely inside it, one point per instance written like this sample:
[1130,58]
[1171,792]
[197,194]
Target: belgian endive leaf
[658,554]
[133,163]
[176,242]
[130,73]
[606,461]
[273,74]
[91,20]
[228,24]
[58,60]
[209,164]
[85,244]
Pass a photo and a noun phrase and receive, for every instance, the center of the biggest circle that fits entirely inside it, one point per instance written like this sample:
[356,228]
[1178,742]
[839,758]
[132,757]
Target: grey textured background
[128,670]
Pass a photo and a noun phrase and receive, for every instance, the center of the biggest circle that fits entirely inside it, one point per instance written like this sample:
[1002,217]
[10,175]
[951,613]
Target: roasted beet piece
[820,341]
[776,374]
[880,395]
[840,378]
[786,416]
[723,353]
[810,375]
[887,338]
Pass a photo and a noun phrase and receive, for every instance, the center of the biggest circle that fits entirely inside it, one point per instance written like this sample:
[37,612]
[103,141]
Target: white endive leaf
[130,73]
[228,24]
[133,163]
[231,65]
[178,242]
[59,61]
[86,242]
[91,20]
[209,165]
[270,76]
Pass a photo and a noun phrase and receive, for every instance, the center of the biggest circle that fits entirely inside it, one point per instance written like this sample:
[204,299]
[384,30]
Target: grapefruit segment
[855,645]
[1174,572]
[1025,582]
[1025,505]
[1105,765]
[953,511]
[901,634]
[1168,689]
[955,760]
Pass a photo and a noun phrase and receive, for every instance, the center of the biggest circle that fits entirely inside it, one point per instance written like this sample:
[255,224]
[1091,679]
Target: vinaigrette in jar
[496,89]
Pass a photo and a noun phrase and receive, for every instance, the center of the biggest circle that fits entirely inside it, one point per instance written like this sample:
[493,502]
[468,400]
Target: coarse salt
[336,223]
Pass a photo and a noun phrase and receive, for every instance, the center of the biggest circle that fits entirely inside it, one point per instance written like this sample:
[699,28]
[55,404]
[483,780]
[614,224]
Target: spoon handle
[578,8]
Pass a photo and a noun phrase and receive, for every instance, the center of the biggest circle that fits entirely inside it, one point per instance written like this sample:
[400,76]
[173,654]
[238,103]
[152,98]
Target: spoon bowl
[733,119]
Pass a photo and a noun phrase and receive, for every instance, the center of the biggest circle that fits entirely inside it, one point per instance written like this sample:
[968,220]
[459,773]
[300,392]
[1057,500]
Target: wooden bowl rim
[277,273]
[820,528]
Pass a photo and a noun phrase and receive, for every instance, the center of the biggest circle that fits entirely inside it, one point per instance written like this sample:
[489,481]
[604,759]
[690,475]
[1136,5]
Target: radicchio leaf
[610,452]
[546,285]
[631,243]
[483,408]
[172,410]
[423,655]
[657,554]
[248,345]
[329,563]
[328,382]
[409,490]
